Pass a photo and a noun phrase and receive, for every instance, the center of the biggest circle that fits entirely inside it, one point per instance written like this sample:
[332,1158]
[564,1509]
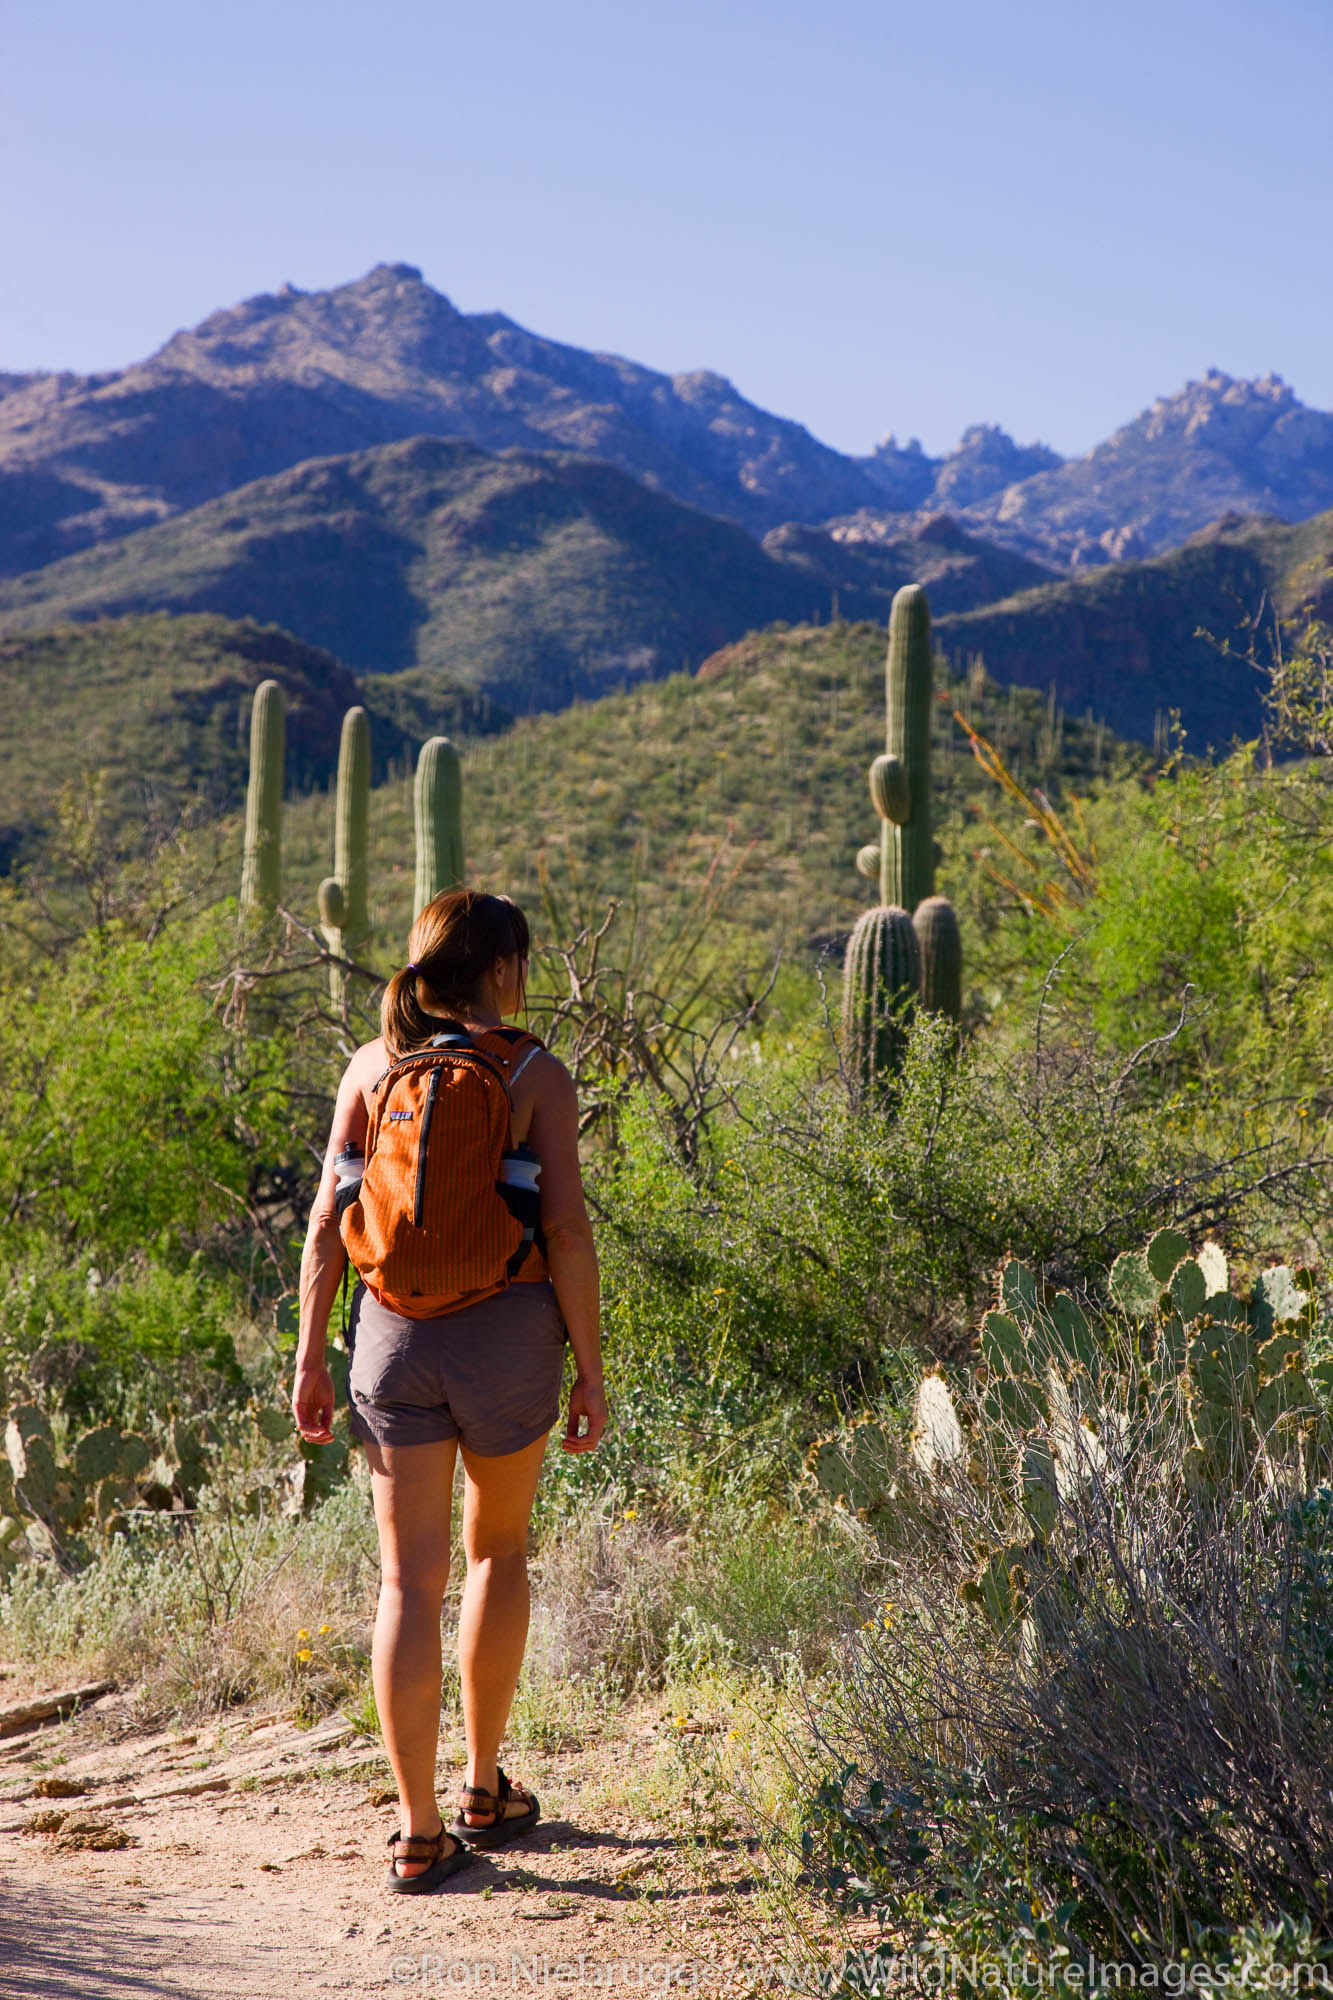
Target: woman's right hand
[312,1402]
[587,1402]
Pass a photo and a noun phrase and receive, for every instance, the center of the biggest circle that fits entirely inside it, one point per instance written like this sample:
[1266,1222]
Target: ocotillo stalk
[439,816]
[907,846]
[936,927]
[881,978]
[261,867]
[351,828]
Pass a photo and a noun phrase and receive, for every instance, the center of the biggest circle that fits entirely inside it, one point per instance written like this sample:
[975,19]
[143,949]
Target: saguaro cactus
[881,978]
[900,793]
[344,907]
[900,781]
[261,868]
[351,827]
[439,816]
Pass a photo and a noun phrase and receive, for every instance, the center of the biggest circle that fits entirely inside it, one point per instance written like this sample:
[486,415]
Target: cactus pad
[937,1436]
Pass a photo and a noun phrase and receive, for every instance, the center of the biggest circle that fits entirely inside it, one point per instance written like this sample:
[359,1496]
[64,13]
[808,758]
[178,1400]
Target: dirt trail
[256,1862]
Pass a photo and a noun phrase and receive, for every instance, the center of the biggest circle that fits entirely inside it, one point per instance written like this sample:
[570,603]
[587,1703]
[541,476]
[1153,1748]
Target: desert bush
[205,1610]
[820,1250]
[1090,1708]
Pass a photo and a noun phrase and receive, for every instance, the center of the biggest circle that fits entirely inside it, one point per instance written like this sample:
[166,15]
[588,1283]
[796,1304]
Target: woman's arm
[322,1263]
[570,1252]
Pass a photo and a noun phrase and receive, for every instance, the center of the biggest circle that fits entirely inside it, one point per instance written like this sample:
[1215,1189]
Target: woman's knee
[502,1557]
[419,1586]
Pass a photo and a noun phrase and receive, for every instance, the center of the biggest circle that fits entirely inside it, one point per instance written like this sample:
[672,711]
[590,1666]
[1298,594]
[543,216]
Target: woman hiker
[457,1335]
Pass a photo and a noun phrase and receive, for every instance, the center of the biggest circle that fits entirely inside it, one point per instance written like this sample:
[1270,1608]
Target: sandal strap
[493,1802]
[427,1845]
[504,1791]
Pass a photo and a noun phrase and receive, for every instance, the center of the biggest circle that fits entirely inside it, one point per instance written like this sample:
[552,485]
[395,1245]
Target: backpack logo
[396,1117]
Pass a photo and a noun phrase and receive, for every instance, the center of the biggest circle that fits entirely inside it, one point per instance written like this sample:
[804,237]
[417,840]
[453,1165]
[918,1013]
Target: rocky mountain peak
[1220,411]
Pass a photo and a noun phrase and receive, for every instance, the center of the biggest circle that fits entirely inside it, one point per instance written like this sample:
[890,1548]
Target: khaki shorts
[488,1374]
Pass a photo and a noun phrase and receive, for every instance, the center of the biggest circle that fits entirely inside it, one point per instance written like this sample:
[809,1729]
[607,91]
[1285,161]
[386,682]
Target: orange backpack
[433,1226]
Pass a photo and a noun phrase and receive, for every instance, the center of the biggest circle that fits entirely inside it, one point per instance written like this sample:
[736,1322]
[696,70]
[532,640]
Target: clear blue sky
[871,216]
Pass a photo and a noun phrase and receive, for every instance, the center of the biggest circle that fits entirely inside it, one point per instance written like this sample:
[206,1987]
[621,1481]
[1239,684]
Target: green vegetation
[759,758]
[1145,1471]
[531,578]
[161,705]
[980,1441]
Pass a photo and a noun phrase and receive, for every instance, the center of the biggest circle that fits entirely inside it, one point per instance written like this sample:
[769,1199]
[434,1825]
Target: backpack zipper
[427,1113]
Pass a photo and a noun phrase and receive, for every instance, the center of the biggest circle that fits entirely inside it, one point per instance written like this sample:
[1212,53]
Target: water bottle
[521,1169]
[349,1166]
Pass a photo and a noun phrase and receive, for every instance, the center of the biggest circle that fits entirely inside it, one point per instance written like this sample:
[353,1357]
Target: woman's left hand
[312,1402]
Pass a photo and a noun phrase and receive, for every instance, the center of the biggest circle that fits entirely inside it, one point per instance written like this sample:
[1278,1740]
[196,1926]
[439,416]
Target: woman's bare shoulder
[548,1074]
[367,1066]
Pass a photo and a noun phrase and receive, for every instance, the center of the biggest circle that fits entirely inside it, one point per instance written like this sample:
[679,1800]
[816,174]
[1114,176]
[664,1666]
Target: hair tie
[413,967]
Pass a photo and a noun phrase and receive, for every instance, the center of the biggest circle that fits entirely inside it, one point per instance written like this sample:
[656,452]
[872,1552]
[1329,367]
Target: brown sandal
[502,1829]
[424,1847]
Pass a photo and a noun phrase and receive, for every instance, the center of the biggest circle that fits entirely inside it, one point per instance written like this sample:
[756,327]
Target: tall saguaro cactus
[895,955]
[900,780]
[344,902]
[351,826]
[261,867]
[439,818]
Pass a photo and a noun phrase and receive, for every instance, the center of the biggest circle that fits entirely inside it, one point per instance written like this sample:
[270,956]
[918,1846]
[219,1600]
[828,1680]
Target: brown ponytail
[452,946]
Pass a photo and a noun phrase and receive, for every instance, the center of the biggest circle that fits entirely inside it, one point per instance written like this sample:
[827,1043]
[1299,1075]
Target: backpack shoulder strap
[517,1047]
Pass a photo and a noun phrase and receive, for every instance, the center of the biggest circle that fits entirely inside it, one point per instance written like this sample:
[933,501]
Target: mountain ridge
[539,577]
[292,375]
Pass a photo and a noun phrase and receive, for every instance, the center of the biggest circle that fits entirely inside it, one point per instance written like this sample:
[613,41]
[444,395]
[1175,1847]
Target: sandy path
[271,1882]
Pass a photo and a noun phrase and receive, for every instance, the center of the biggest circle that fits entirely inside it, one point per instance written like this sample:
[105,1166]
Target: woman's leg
[493,1617]
[413,1491]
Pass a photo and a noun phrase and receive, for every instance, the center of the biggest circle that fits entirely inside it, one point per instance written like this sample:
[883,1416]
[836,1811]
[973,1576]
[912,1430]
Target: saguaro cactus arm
[936,927]
[890,791]
[881,978]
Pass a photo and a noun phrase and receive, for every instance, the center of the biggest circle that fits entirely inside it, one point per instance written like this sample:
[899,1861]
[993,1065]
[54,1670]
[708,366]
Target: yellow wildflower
[303,1634]
[304,1654]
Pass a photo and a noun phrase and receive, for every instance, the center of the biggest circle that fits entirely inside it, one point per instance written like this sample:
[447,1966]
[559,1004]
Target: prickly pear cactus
[49,1506]
[261,868]
[858,1470]
[937,1435]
